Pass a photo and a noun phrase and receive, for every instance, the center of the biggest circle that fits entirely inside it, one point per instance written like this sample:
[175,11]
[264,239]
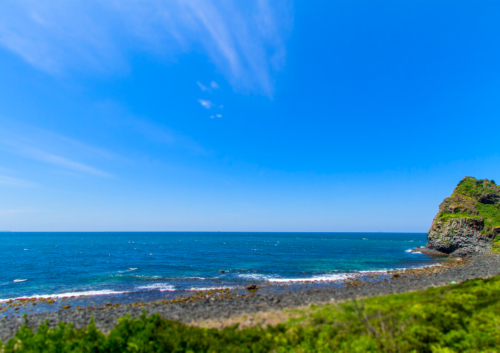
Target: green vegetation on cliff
[456,318]
[472,198]
[496,245]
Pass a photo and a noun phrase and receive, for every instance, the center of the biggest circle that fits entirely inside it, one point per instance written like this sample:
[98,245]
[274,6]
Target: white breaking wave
[162,287]
[399,269]
[255,276]
[66,295]
[19,280]
[329,278]
[143,276]
[325,277]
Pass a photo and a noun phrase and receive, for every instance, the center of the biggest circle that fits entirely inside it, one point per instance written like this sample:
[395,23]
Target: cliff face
[468,221]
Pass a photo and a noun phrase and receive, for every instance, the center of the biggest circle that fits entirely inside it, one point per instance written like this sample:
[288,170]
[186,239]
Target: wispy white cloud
[65,163]
[216,116]
[57,35]
[202,86]
[245,40]
[51,148]
[82,147]
[206,103]
[5,180]
[213,86]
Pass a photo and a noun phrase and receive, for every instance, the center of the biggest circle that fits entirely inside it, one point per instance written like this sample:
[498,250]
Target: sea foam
[162,287]
[66,295]
[326,278]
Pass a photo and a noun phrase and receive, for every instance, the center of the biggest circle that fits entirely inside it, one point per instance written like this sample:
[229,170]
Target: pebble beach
[224,304]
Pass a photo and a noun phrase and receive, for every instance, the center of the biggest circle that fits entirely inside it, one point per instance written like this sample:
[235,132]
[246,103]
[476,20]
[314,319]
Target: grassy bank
[455,318]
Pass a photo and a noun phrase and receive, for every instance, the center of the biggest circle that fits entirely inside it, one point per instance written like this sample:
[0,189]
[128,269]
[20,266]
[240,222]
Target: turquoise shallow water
[48,264]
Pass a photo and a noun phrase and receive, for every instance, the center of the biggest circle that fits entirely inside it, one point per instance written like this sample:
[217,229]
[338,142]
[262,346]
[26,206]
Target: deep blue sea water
[61,264]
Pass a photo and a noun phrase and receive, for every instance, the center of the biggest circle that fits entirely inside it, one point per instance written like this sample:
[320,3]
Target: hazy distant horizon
[180,231]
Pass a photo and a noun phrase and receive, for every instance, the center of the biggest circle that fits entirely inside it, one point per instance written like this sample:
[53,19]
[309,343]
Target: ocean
[155,265]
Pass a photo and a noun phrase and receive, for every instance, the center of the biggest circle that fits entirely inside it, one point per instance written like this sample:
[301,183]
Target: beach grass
[455,318]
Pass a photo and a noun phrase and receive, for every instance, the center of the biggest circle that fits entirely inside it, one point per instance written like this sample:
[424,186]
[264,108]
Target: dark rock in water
[468,221]
[222,271]
[252,287]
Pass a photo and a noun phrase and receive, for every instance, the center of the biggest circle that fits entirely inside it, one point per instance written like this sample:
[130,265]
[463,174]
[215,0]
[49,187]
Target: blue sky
[243,116]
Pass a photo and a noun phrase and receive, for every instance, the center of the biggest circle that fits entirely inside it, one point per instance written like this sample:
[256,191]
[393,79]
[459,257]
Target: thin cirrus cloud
[9,181]
[245,40]
[37,144]
[61,162]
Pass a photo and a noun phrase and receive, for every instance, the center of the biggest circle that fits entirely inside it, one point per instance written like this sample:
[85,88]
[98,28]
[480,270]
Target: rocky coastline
[224,304]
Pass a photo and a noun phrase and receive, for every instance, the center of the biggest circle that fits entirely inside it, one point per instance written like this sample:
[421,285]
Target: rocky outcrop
[460,237]
[468,221]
